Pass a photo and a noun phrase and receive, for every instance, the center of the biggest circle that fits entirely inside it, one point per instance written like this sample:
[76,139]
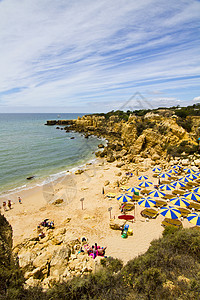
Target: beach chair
[168,196]
[149,213]
[145,191]
[136,198]
[178,192]
[194,205]
[171,222]
[184,211]
[160,203]
[116,225]
[128,206]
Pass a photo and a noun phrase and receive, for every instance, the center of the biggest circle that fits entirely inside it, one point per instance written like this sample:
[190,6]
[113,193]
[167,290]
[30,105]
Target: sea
[29,148]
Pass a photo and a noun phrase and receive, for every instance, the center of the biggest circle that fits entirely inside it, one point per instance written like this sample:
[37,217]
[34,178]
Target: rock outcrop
[154,135]
[54,258]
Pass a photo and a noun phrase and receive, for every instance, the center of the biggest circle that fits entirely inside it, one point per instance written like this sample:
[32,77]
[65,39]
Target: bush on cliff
[170,269]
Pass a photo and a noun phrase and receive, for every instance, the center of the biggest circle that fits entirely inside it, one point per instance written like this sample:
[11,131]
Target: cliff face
[150,135]
[10,276]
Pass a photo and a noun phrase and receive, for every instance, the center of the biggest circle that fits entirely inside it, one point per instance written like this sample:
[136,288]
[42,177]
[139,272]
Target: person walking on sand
[20,200]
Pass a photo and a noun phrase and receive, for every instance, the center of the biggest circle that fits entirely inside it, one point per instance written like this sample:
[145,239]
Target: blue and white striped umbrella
[170,212]
[189,170]
[143,177]
[156,169]
[147,202]
[191,176]
[167,187]
[172,171]
[124,197]
[192,196]
[185,179]
[194,218]
[176,167]
[180,201]
[157,193]
[164,175]
[133,189]
[196,190]
[178,184]
[145,184]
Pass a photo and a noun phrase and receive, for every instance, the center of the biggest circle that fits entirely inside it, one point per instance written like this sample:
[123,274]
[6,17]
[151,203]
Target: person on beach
[9,204]
[4,206]
[20,200]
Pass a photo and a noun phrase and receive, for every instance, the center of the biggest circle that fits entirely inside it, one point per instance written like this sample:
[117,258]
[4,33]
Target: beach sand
[91,222]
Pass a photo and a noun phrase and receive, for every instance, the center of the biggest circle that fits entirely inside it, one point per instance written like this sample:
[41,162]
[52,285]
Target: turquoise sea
[29,148]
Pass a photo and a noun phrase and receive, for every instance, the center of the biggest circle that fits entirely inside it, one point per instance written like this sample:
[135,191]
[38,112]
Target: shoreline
[52,177]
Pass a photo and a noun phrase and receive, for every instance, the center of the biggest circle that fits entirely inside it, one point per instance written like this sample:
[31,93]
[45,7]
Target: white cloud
[197,99]
[58,53]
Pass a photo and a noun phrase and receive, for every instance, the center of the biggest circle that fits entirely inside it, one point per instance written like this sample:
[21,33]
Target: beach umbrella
[194,218]
[185,179]
[170,212]
[189,170]
[178,184]
[164,175]
[143,177]
[167,187]
[156,169]
[196,190]
[147,202]
[191,176]
[133,190]
[172,171]
[192,196]
[180,201]
[124,197]
[145,184]
[176,167]
[157,193]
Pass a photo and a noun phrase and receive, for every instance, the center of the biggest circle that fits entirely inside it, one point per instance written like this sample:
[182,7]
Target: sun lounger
[168,196]
[128,206]
[114,224]
[170,222]
[149,213]
[136,198]
[145,191]
[178,192]
[160,203]
[184,211]
[194,205]
[191,183]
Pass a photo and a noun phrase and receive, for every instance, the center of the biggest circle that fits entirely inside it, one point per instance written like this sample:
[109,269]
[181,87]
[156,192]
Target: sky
[97,56]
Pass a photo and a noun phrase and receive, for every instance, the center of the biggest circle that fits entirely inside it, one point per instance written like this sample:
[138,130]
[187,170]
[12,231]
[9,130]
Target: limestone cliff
[10,276]
[151,135]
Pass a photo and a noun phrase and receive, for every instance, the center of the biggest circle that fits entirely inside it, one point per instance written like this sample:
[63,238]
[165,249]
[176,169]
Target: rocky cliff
[10,275]
[153,135]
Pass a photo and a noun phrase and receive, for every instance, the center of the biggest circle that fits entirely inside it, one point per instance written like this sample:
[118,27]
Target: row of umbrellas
[170,211]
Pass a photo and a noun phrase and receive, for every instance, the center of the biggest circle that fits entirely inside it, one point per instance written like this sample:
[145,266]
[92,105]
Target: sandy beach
[91,222]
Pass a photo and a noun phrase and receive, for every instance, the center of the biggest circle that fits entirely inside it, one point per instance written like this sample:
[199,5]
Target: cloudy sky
[93,56]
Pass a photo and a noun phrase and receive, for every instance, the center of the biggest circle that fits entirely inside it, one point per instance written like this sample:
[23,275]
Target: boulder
[77,172]
[107,182]
[100,146]
[155,157]
[120,164]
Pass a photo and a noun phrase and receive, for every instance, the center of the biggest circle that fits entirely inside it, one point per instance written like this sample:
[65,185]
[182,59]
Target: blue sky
[92,56]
